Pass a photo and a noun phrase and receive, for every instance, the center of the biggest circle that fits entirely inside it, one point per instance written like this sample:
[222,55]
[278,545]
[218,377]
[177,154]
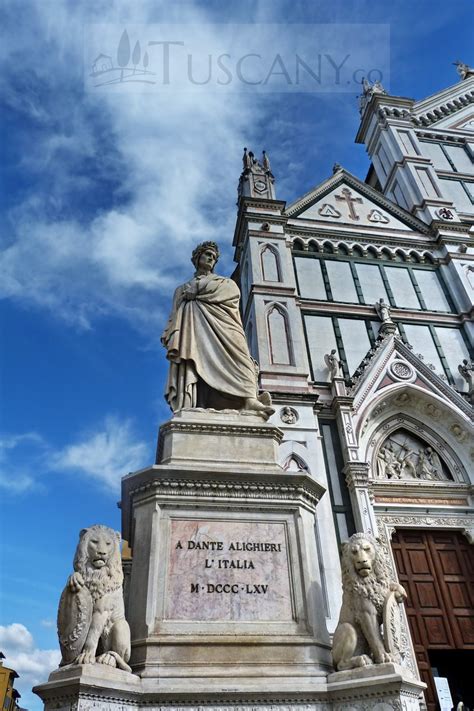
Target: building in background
[8,694]
[357,303]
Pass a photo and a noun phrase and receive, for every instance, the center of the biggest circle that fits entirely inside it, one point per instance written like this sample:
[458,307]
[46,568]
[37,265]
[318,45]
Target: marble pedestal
[224,599]
[385,687]
[224,589]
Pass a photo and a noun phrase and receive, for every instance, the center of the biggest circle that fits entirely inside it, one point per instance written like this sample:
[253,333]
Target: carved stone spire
[257,179]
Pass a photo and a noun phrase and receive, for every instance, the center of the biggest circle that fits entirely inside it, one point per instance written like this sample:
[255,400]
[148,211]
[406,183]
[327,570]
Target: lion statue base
[91,617]
[369,599]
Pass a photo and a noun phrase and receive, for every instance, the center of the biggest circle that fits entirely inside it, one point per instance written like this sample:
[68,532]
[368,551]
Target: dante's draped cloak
[204,339]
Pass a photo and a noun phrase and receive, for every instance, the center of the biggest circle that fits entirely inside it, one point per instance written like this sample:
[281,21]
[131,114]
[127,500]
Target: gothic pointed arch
[279,340]
[270,263]
[405,448]
[295,463]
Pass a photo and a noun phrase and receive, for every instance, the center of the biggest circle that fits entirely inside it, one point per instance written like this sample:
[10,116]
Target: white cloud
[32,664]
[165,170]
[106,455]
[16,476]
[16,637]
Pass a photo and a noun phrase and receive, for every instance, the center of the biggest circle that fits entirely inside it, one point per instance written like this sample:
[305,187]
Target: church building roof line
[341,176]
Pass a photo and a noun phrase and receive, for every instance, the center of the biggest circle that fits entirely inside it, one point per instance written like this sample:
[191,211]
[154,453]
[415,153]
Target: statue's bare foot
[265,398]
[253,404]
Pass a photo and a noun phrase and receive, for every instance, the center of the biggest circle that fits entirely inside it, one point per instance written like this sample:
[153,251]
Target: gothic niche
[405,456]
[270,264]
[280,353]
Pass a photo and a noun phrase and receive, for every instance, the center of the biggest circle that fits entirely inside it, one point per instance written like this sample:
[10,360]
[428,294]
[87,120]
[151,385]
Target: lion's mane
[106,579]
[376,585]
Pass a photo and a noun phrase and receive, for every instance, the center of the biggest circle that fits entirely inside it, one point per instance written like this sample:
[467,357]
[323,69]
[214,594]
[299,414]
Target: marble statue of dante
[210,363]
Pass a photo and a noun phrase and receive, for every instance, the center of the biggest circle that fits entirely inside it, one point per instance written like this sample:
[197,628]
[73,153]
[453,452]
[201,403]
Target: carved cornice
[465,524]
[442,110]
[439,135]
[224,428]
[221,487]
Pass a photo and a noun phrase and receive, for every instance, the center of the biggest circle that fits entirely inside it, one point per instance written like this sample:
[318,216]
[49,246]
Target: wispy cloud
[120,186]
[106,455]
[103,454]
[17,451]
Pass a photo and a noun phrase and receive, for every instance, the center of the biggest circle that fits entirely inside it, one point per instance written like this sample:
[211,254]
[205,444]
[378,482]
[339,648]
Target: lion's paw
[362,661]
[383,658]
[86,658]
[108,659]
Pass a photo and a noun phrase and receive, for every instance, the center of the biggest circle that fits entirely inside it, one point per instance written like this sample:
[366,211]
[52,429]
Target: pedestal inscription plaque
[227,570]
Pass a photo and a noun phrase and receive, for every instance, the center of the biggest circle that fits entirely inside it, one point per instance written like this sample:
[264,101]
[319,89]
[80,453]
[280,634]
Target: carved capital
[357,474]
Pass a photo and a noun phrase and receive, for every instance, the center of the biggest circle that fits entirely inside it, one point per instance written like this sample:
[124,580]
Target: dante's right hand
[188,295]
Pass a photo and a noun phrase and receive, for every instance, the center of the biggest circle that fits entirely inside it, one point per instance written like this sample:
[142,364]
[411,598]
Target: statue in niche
[210,363]
[91,618]
[333,364]
[370,599]
[404,456]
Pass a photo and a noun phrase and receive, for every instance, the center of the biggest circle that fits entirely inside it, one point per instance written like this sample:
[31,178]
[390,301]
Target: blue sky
[105,193]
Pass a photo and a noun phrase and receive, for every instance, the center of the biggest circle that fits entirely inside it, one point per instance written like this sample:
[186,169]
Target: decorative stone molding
[401,370]
[357,474]
[442,110]
[289,415]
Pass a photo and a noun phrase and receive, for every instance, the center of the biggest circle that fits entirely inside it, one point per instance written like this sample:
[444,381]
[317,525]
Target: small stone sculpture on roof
[466,369]
[464,70]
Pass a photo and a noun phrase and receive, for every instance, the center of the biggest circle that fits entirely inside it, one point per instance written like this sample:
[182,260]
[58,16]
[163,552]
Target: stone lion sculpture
[91,616]
[369,599]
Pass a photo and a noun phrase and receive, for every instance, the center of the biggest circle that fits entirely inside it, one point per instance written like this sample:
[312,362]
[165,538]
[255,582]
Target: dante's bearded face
[207,260]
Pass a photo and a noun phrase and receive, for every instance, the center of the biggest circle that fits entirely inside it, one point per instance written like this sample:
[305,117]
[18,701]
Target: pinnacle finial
[246,159]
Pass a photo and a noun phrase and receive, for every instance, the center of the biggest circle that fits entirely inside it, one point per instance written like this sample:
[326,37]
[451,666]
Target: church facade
[357,303]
